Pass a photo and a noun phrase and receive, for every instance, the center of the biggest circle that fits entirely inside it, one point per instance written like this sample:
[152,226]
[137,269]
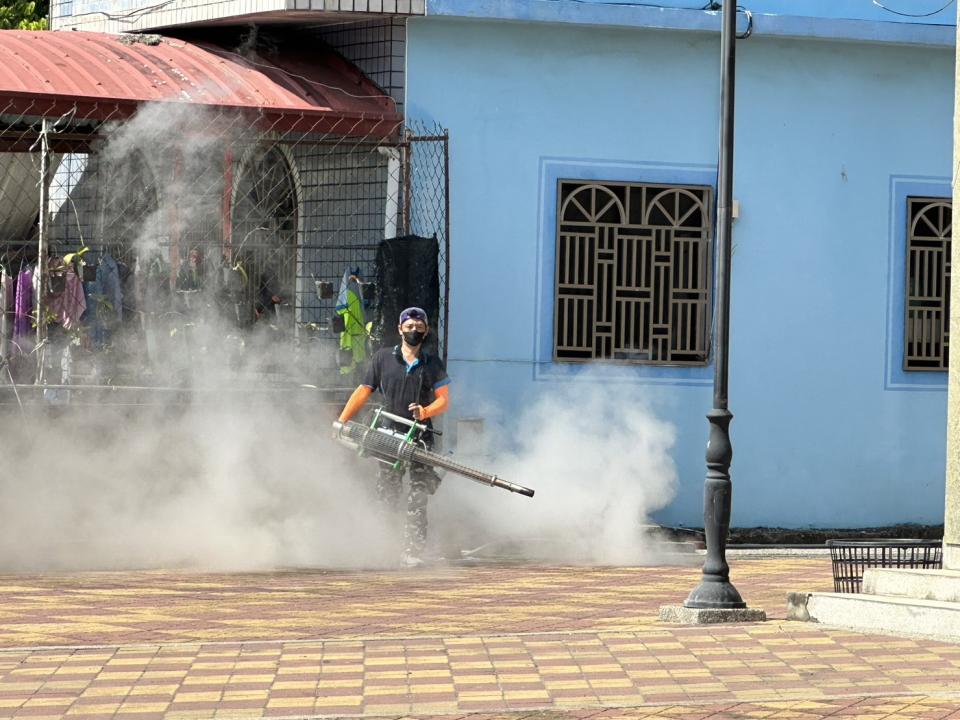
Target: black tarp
[408,275]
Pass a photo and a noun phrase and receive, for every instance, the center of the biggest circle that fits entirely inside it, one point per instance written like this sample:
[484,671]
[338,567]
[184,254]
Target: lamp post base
[717,594]
[709,616]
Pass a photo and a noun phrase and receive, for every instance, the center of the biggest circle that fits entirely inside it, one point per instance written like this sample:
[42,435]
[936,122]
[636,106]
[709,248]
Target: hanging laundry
[69,304]
[353,337]
[6,312]
[104,297]
[23,306]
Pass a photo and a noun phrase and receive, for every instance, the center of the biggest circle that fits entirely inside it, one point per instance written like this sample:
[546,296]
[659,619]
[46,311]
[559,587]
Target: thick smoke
[218,472]
[215,470]
[600,462]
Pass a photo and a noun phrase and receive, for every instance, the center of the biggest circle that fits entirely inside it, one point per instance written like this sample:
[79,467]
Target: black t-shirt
[401,384]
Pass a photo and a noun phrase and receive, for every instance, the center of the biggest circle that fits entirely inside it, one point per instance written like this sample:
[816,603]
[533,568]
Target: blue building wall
[933,12]
[831,137]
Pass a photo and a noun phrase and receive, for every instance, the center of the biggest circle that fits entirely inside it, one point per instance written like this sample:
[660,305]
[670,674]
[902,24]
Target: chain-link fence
[185,247]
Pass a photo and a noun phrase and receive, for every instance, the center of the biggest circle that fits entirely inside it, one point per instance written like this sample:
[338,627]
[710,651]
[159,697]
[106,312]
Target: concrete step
[879,614]
[942,585]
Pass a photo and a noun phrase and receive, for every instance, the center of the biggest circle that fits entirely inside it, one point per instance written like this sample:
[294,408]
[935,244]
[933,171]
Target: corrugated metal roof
[104,75]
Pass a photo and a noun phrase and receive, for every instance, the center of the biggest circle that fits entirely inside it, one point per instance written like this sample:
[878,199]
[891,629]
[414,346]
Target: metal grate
[851,557]
[927,322]
[633,273]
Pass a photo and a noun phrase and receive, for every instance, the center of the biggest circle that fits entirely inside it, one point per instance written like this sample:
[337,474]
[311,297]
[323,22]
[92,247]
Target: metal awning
[100,76]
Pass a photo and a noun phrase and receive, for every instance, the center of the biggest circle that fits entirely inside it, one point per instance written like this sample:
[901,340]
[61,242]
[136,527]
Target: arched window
[633,273]
[927,325]
[264,237]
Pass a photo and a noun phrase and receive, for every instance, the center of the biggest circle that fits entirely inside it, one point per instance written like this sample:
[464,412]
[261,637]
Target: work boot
[409,561]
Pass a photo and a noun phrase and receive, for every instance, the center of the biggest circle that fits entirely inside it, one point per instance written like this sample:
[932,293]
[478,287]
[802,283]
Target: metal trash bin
[851,557]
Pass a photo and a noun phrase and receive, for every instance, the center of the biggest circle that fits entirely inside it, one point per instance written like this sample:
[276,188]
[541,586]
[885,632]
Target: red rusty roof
[106,76]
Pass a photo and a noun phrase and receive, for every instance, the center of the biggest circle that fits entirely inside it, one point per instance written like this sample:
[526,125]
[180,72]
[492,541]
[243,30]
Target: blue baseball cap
[413,313]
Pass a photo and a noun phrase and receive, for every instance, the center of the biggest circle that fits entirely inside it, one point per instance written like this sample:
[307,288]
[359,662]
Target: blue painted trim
[553,169]
[787,26]
[895,377]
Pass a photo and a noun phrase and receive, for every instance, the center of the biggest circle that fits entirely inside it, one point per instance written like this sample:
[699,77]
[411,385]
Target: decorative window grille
[633,273]
[927,326]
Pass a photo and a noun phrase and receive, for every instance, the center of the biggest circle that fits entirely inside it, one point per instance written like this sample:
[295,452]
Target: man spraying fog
[414,385]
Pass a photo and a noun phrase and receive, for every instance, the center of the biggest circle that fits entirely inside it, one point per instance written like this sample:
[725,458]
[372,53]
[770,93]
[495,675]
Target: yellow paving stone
[594,669]
[207,696]
[567,684]
[611,683]
[294,702]
[328,669]
[246,694]
[94,709]
[161,674]
[642,674]
[143,707]
[108,691]
[205,679]
[250,679]
[748,694]
[376,690]
[121,661]
[434,707]
[526,695]
[428,673]
[130,675]
[657,689]
[353,682]
[421,689]
[385,674]
[386,709]
[518,677]
[258,665]
[295,684]
[40,701]
[574,702]
[65,684]
[690,672]
[704,688]
[480,696]
[213,665]
[647,659]
[28,671]
[476,665]
[339,700]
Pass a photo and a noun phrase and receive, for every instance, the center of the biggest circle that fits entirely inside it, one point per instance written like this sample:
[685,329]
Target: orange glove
[438,406]
[356,401]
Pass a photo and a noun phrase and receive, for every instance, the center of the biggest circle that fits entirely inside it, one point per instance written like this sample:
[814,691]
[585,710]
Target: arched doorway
[264,234]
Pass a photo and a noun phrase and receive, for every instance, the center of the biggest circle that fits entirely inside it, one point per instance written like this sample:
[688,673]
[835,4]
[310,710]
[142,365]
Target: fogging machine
[400,449]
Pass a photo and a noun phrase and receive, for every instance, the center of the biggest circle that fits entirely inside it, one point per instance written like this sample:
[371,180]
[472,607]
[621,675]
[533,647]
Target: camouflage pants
[423,483]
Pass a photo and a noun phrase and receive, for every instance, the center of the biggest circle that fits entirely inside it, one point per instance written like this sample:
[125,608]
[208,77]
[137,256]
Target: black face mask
[413,337]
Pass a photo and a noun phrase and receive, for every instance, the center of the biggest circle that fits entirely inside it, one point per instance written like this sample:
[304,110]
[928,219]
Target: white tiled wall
[127,15]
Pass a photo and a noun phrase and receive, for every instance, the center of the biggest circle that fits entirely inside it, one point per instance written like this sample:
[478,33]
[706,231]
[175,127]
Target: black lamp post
[715,590]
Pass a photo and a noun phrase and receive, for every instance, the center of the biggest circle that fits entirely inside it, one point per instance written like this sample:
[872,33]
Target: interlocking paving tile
[163,607]
[745,670]
[525,643]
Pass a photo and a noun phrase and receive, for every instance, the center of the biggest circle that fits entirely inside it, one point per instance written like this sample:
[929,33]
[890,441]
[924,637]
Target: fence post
[43,246]
[446,242]
[407,180]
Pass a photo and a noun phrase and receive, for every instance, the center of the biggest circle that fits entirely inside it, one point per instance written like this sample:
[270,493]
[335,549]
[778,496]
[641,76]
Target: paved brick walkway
[155,607]
[537,643]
